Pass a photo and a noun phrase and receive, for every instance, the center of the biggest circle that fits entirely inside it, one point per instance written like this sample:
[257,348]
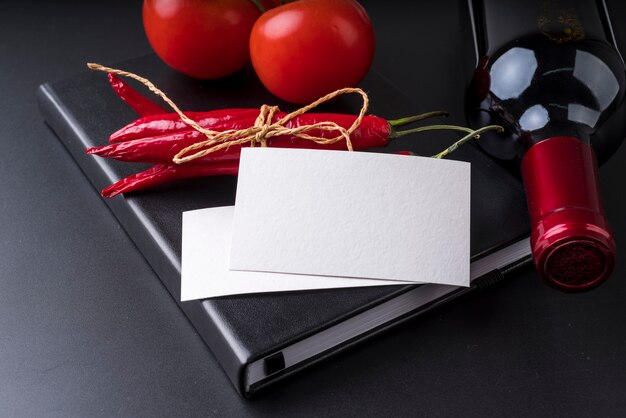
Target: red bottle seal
[572,245]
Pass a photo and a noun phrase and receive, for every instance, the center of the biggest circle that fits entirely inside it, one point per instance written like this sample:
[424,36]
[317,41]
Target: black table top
[86,328]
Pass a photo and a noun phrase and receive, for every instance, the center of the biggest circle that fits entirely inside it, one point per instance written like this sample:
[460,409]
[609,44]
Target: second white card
[352,214]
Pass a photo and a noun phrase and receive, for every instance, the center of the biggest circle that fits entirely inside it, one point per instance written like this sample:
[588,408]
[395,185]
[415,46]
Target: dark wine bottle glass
[549,72]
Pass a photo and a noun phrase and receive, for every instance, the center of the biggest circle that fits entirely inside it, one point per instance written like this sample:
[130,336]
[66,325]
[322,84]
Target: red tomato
[308,48]
[201,38]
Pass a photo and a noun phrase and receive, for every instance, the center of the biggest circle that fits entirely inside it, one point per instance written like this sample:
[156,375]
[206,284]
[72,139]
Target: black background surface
[86,328]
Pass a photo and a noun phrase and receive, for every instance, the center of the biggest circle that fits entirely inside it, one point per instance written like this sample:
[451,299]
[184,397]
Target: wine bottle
[549,72]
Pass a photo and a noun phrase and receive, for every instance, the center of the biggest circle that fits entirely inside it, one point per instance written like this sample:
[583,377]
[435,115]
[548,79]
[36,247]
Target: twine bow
[263,128]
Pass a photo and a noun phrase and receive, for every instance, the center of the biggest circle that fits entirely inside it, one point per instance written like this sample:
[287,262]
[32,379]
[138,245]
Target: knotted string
[263,128]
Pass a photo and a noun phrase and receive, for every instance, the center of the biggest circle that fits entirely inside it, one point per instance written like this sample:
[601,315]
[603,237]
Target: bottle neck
[553,129]
[572,244]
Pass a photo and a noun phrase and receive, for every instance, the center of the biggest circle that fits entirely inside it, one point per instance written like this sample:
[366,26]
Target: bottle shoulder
[537,89]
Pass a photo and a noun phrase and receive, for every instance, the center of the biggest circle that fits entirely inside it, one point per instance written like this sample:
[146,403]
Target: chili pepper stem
[398,134]
[473,134]
[416,118]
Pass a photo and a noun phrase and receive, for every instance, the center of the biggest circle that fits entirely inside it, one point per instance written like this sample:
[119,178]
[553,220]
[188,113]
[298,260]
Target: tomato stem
[259,6]
[416,118]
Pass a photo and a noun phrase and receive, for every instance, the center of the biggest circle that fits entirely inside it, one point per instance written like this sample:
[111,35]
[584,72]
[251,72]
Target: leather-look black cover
[83,111]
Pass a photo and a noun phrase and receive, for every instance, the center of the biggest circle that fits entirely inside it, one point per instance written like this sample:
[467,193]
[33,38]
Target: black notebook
[262,338]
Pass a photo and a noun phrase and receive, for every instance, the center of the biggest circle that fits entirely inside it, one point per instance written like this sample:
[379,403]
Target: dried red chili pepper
[134,99]
[157,121]
[165,173]
[170,123]
[372,132]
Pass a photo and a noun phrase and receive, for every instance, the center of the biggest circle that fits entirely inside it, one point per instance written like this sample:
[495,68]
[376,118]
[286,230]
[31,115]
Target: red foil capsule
[572,244]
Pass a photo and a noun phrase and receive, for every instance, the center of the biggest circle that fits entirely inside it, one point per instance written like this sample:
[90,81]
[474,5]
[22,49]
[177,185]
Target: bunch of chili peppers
[158,136]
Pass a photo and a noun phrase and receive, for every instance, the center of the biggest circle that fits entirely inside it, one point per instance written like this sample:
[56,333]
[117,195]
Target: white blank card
[352,214]
[205,274]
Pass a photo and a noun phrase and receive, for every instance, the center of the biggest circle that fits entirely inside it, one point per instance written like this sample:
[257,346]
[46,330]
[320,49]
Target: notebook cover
[83,110]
